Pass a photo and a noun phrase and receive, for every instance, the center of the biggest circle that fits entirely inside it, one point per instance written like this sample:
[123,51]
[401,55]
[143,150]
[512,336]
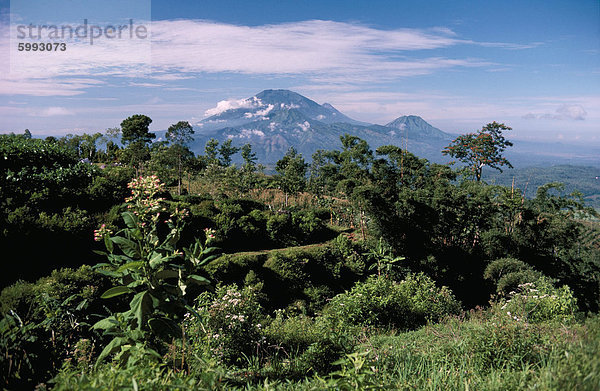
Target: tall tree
[480,149]
[136,135]
[291,170]
[211,152]
[249,158]
[227,150]
[179,136]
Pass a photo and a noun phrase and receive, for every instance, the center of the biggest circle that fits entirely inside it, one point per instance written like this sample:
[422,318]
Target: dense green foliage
[49,198]
[373,270]
[382,302]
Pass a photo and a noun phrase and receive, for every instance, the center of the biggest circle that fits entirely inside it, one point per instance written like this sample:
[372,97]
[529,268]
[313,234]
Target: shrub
[508,273]
[230,323]
[382,302]
[42,323]
[539,301]
[306,344]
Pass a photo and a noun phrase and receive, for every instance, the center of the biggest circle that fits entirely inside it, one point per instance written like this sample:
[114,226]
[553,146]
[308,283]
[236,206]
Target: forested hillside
[143,265]
[583,179]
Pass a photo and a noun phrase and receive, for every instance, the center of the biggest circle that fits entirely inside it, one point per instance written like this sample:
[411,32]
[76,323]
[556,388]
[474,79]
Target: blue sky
[459,64]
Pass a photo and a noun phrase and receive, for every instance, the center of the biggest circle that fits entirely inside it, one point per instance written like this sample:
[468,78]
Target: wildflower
[100,233]
[210,233]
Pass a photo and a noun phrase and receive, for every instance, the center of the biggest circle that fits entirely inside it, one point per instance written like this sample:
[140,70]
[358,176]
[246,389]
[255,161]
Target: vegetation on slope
[379,271]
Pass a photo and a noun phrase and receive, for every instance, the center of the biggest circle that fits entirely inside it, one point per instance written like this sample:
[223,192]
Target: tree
[210,151]
[136,136]
[249,158]
[247,173]
[179,136]
[291,170]
[480,149]
[227,150]
[135,129]
[108,139]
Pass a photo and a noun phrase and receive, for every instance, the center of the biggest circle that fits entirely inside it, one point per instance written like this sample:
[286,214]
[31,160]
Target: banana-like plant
[144,259]
[384,260]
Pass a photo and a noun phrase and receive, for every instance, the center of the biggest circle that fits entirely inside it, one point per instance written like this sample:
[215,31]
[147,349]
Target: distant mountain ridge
[274,120]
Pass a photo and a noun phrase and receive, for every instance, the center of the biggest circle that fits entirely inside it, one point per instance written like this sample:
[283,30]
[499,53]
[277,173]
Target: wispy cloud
[321,50]
[55,111]
[563,112]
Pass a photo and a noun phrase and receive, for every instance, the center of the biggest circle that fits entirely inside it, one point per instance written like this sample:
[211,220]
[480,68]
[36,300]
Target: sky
[533,65]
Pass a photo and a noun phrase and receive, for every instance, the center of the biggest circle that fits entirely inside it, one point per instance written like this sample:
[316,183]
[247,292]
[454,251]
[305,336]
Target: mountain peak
[418,126]
[286,97]
[275,119]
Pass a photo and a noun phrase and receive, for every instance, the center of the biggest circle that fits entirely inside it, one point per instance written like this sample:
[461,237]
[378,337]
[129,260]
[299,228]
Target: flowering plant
[539,301]
[231,324]
[145,260]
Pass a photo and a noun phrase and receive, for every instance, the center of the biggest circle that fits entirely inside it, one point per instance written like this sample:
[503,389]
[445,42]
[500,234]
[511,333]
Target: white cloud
[247,133]
[287,48]
[150,85]
[576,112]
[55,111]
[563,112]
[231,104]
[304,126]
[262,113]
[325,51]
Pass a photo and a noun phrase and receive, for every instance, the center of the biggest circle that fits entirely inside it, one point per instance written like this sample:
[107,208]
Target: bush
[508,273]
[230,323]
[382,302]
[42,323]
[489,353]
[539,301]
[306,344]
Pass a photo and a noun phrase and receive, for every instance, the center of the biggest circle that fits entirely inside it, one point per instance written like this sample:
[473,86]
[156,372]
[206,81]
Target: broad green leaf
[112,347]
[131,265]
[157,259]
[196,279]
[136,283]
[209,250]
[108,244]
[209,259]
[105,324]
[166,329]
[129,247]
[141,306]
[130,220]
[115,291]
[118,259]
[167,274]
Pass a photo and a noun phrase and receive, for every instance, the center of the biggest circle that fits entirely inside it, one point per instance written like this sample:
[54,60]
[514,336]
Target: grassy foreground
[479,351]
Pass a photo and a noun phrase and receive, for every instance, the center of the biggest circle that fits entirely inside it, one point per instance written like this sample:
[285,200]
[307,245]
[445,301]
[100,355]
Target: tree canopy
[482,148]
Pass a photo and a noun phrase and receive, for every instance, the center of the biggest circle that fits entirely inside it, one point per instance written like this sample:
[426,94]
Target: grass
[482,352]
